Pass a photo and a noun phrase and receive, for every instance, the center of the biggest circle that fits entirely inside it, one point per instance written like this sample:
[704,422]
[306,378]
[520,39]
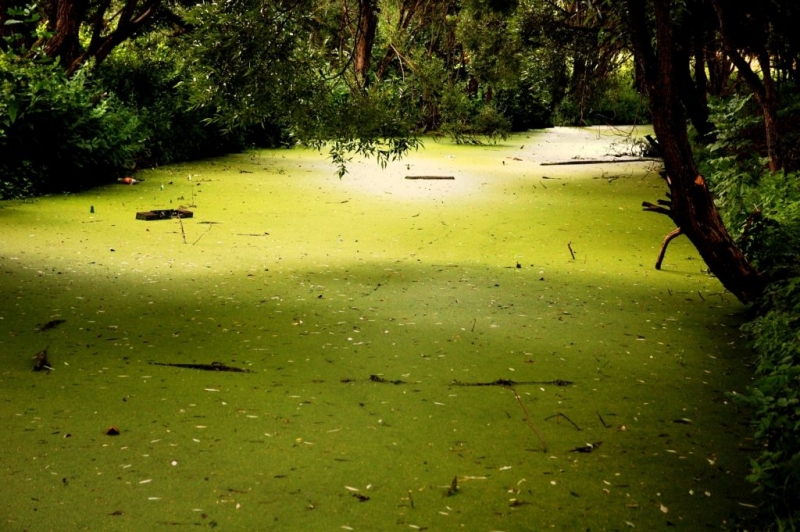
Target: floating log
[164,214]
[214,366]
[602,161]
[508,383]
[449,177]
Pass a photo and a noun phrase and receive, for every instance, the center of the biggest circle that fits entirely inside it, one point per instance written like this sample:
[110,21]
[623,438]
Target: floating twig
[210,224]
[528,418]
[559,414]
[183,233]
[605,425]
[569,246]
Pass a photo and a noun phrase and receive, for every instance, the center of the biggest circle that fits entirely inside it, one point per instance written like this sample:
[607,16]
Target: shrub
[466,116]
[147,75]
[762,209]
[610,100]
[775,395]
[59,134]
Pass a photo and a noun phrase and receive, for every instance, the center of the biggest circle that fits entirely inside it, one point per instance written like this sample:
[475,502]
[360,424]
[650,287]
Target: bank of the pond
[422,353]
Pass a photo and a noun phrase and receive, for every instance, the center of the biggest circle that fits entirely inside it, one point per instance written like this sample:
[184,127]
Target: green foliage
[370,124]
[59,134]
[775,394]
[466,117]
[253,63]
[147,75]
[762,209]
[611,100]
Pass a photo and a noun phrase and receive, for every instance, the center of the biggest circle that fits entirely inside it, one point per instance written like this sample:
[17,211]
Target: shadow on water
[420,356]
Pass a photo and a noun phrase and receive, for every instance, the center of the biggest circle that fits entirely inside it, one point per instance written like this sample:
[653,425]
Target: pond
[490,352]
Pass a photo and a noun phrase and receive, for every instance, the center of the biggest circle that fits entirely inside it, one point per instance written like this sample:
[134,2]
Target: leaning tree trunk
[692,207]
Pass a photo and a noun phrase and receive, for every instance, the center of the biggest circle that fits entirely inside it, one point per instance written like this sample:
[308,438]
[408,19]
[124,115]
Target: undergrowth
[762,209]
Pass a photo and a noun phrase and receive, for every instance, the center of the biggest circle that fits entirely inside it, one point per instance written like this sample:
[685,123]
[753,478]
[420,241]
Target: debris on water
[509,383]
[589,447]
[41,362]
[112,431]
[52,324]
[377,378]
[453,489]
[214,366]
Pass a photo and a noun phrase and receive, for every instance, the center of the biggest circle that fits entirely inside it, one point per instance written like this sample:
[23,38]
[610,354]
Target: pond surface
[421,354]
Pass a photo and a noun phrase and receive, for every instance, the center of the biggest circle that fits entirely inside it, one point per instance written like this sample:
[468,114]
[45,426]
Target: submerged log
[214,366]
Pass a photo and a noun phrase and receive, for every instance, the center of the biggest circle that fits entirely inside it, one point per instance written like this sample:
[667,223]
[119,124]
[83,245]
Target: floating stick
[528,418]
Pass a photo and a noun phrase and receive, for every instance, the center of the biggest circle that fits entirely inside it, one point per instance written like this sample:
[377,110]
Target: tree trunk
[129,23]
[763,87]
[692,208]
[65,42]
[365,37]
[689,36]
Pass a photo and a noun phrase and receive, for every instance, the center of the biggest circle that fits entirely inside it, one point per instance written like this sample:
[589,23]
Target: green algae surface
[489,352]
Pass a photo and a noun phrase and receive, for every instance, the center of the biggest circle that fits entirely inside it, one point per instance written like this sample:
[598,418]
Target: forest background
[94,89]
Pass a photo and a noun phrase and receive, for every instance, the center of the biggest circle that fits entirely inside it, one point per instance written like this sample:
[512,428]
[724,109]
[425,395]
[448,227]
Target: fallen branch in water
[214,366]
[602,161]
[508,383]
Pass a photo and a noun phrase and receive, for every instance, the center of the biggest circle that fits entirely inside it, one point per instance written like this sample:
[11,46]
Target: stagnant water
[489,352]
